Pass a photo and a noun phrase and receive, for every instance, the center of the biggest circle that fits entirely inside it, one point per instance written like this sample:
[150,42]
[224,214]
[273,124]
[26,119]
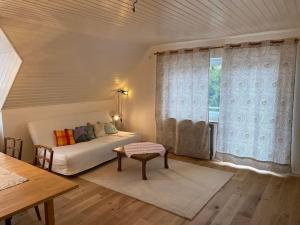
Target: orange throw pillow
[70,136]
[64,137]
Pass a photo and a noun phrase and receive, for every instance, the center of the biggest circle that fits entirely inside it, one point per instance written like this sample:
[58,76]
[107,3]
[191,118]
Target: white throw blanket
[9,179]
[143,148]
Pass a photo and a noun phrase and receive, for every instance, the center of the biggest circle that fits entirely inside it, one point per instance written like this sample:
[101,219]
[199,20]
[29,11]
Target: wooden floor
[248,198]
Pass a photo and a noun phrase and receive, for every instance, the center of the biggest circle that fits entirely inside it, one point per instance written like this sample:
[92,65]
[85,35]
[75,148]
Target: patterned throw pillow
[64,137]
[80,134]
[90,131]
[70,136]
[99,129]
[110,128]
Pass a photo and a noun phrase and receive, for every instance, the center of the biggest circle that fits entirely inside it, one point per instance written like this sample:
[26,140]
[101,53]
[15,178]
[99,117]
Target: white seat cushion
[72,159]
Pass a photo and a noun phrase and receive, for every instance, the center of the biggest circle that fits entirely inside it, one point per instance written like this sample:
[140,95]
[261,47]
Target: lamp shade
[116,117]
[124,92]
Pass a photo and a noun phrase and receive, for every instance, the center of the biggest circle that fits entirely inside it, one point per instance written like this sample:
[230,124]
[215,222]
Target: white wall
[140,107]
[15,120]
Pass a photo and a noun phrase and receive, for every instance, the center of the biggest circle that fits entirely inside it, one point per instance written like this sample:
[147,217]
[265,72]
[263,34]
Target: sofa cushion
[90,131]
[110,128]
[64,137]
[70,136]
[81,134]
[99,129]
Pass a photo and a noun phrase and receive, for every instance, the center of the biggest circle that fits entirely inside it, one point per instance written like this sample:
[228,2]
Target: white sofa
[72,159]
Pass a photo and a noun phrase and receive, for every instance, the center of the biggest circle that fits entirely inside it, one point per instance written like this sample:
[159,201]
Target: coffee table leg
[144,170]
[166,160]
[119,162]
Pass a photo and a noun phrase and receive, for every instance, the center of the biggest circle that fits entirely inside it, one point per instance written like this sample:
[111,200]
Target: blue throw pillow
[80,134]
[90,131]
[110,128]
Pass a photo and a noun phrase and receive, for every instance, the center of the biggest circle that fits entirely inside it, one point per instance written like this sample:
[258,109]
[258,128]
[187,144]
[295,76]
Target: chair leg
[37,211]
[8,221]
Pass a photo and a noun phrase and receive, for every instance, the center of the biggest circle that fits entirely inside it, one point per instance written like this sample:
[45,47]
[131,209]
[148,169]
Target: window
[215,70]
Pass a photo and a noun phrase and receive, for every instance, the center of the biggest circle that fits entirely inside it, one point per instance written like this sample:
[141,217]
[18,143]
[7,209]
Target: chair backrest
[13,147]
[184,133]
[192,139]
[43,157]
[169,132]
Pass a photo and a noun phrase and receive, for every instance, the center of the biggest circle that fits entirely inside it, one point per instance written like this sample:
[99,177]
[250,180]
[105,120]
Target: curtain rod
[226,45]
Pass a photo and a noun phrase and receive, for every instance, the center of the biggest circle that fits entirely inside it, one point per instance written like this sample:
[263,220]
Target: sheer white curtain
[256,105]
[182,102]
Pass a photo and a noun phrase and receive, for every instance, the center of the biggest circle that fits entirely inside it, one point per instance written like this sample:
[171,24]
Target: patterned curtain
[182,102]
[256,105]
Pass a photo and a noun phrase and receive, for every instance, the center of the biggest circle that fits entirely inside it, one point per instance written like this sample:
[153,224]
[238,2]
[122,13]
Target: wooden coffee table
[144,158]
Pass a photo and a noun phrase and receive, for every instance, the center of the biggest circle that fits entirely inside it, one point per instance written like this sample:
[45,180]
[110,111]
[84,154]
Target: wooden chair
[43,165]
[14,147]
[41,155]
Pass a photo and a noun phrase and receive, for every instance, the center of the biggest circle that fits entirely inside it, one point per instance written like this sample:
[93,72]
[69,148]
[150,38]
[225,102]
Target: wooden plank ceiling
[79,50]
[10,63]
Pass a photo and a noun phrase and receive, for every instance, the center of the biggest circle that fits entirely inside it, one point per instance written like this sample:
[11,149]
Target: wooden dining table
[41,187]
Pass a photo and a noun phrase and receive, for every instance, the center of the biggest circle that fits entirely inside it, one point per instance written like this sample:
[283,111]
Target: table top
[144,156]
[121,149]
[40,187]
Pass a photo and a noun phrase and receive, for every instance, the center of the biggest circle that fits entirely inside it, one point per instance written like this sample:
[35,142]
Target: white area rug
[182,189]
[9,179]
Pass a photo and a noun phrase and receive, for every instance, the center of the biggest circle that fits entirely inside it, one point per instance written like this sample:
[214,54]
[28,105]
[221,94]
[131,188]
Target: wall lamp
[124,92]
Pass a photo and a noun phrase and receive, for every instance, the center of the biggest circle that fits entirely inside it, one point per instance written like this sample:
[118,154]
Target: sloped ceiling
[63,67]
[9,65]
[80,50]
